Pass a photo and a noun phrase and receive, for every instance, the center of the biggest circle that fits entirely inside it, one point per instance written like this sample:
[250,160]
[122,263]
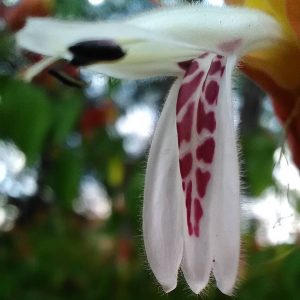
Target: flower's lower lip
[89,52]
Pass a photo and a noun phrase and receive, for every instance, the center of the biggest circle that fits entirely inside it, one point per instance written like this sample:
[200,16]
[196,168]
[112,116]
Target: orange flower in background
[277,69]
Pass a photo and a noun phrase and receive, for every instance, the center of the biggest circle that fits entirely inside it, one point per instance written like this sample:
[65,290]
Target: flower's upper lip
[205,27]
[72,32]
[155,42]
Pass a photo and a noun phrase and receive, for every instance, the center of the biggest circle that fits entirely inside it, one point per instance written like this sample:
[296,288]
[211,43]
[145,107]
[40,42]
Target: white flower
[192,192]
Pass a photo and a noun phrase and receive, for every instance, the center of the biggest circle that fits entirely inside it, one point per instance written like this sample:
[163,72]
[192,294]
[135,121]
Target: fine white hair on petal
[163,198]
[226,185]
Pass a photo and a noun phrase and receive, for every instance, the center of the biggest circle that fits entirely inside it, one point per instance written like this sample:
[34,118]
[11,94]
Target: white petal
[209,171]
[209,27]
[226,184]
[199,214]
[163,199]
[156,41]
[148,54]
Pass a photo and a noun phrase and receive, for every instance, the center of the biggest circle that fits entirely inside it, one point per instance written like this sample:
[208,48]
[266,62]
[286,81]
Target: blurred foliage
[77,8]
[53,252]
[24,116]
[258,151]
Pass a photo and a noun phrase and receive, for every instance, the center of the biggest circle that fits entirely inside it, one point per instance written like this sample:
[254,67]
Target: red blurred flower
[15,16]
[97,117]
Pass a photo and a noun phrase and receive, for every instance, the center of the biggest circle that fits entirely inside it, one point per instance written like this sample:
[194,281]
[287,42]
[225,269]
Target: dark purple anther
[89,52]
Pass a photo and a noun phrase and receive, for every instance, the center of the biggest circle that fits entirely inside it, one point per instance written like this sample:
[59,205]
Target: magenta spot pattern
[196,106]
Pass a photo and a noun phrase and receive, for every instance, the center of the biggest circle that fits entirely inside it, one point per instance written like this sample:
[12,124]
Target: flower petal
[209,171]
[226,187]
[178,38]
[286,12]
[163,199]
[52,37]
[281,63]
[196,127]
[207,28]
[293,12]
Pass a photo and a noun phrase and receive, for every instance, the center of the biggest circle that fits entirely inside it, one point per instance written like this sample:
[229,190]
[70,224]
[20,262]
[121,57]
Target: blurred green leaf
[67,8]
[258,150]
[25,116]
[66,112]
[7,44]
[64,176]
[101,149]
[134,194]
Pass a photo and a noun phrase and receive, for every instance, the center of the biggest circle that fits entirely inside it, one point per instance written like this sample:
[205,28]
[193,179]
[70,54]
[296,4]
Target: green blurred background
[72,167]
